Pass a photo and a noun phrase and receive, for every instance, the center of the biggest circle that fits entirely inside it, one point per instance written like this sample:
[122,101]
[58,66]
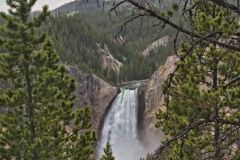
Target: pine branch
[153,13]
[232,82]
[181,134]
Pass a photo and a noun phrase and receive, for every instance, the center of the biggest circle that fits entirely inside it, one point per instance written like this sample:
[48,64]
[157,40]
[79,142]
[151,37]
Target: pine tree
[108,155]
[201,118]
[38,122]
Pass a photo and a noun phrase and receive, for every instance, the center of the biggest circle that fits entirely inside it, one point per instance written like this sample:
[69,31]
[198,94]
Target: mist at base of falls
[120,128]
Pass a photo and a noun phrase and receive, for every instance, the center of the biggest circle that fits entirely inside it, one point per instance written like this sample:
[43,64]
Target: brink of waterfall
[120,127]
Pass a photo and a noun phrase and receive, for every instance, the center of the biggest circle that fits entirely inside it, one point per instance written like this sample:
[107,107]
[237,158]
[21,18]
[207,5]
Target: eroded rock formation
[154,98]
[158,43]
[92,92]
[107,61]
[98,94]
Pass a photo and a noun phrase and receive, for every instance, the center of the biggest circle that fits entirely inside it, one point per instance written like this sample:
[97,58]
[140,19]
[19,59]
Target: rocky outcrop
[92,92]
[153,95]
[97,94]
[158,43]
[107,61]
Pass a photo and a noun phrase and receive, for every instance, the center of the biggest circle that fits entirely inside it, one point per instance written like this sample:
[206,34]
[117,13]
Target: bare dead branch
[178,136]
[153,13]
[227,5]
[226,122]
[232,82]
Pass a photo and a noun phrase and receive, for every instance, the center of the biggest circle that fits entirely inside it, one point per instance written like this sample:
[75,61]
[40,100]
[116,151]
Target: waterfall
[120,127]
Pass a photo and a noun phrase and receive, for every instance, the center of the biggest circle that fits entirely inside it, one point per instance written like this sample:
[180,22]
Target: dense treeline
[79,37]
[200,116]
[37,94]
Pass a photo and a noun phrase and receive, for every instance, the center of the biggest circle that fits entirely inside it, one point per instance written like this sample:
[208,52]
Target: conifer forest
[119,80]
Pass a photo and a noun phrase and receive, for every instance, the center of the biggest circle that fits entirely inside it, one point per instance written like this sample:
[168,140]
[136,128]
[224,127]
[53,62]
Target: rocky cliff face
[97,94]
[107,61]
[153,96]
[92,92]
[158,43]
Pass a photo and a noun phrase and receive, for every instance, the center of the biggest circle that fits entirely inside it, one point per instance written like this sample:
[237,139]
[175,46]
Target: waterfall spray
[120,127]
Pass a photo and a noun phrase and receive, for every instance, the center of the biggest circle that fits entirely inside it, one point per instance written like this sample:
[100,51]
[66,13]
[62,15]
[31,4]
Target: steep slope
[107,61]
[82,6]
[77,29]
[163,41]
[154,99]
[92,92]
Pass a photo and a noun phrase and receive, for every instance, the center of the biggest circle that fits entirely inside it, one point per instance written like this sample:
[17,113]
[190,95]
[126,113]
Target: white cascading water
[120,127]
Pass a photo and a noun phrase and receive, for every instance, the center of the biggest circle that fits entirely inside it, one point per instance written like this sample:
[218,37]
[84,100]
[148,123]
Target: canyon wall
[154,100]
[97,94]
[92,92]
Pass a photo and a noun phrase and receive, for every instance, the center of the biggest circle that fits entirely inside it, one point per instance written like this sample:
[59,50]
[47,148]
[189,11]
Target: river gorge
[124,115]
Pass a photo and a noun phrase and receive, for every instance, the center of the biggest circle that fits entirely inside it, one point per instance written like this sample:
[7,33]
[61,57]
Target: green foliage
[95,31]
[162,156]
[203,107]
[108,155]
[237,156]
[38,122]
[175,6]
[170,13]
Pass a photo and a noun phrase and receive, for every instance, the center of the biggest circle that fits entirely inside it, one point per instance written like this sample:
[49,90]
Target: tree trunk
[30,107]
[216,113]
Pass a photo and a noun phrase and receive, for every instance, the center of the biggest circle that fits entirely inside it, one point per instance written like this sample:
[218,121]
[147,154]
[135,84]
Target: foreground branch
[153,13]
